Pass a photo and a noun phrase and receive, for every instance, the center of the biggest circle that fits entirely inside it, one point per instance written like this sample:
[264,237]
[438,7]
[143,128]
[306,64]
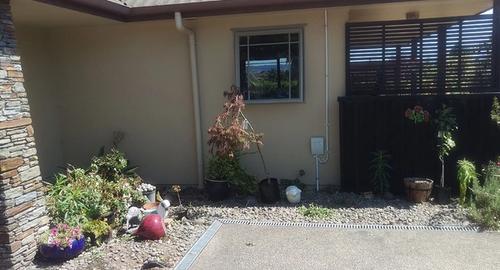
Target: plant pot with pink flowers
[61,242]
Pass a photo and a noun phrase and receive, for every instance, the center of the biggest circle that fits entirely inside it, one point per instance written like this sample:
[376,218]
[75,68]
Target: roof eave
[119,12]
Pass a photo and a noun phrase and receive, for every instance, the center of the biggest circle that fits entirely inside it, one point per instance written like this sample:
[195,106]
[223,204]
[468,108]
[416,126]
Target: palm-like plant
[380,168]
[466,175]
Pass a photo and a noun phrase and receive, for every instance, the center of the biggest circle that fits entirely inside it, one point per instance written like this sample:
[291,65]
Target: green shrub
[495,111]
[466,175]
[229,169]
[112,166]
[97,230]
[314,211]
[380,169]
[485,208]
[73,199]
[102,192]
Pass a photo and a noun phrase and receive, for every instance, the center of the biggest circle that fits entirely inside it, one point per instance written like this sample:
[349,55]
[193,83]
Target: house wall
[135,78]
[41,80]
[131,78]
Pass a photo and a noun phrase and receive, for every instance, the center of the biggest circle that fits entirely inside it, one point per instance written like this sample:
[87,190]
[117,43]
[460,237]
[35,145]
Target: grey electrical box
[317,146]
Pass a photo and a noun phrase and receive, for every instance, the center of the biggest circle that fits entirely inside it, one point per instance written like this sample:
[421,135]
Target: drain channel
[452,228]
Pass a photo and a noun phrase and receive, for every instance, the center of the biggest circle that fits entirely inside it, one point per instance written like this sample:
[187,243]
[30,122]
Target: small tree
[229,136]
[446,123]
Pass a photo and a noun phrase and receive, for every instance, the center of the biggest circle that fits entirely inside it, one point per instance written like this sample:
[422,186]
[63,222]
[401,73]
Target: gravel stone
[187,223]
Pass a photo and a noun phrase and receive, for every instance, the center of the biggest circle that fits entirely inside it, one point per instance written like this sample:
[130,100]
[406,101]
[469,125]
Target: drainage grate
[451,228]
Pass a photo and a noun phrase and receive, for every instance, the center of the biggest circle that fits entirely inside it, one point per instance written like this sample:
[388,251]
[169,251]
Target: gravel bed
[187,224]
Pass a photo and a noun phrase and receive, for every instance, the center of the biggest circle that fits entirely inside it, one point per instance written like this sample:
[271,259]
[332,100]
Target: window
[269,65]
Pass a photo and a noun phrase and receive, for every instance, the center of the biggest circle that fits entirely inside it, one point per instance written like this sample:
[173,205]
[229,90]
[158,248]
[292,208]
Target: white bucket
[293,194]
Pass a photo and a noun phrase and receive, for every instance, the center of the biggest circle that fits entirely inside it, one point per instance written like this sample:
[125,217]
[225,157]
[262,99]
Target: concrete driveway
[240,246]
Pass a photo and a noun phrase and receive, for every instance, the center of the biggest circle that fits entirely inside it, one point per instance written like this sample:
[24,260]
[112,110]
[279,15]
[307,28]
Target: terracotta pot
[418,189]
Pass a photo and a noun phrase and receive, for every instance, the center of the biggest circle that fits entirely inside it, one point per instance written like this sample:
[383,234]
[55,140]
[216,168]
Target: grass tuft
[314,211]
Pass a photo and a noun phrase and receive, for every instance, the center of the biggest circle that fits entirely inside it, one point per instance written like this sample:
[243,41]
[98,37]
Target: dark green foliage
[97,231]
[380,169]
[446,125]
[112,165]
[229,169]
[495,111]
[486,204]
[86,198]
[466,175]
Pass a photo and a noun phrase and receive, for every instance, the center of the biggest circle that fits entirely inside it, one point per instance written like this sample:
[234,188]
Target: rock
[187,225]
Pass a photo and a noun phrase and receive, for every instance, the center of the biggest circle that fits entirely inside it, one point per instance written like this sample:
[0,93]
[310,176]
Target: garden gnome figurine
[163,208]
[134,217]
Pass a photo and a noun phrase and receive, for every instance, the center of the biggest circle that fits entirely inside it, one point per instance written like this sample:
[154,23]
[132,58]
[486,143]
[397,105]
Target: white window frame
[291,29]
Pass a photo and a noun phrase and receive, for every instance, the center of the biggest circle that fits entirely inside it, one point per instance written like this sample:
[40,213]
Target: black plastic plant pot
[269,190]
[443,194]
[217,190]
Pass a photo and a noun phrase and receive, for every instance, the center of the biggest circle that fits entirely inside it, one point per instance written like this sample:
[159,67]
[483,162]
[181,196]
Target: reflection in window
[270,64]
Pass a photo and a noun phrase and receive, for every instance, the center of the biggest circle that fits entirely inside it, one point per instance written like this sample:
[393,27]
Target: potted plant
[418,189]
[148,190]
[61,242]
[229,137]
[446,125]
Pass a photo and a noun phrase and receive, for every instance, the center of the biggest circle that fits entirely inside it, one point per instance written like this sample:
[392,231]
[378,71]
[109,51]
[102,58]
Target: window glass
[270,65]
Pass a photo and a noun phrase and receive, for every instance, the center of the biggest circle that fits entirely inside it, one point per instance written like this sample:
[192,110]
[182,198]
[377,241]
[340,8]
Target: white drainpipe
[323,159]
[196,94]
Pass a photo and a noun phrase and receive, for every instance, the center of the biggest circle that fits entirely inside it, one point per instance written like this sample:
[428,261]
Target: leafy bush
[466,175]
[485,208]
[73,199]
[88,197]
[314,211]
[112,166]
[229,169]
[495,111]
[380,168]
[97,230]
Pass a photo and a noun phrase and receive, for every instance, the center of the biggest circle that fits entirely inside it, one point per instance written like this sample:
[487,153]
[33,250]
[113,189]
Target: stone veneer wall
[22,208]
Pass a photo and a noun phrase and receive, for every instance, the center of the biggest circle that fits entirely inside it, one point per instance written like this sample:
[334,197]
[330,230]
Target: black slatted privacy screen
[427,56]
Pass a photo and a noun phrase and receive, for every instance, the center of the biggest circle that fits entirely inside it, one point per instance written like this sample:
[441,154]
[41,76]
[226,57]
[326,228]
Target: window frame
[289,29]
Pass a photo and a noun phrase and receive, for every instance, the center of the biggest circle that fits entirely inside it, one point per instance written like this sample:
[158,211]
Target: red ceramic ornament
[152,227]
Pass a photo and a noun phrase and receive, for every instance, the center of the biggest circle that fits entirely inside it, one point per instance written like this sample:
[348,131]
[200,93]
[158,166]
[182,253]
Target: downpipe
[324,158]
[196,94]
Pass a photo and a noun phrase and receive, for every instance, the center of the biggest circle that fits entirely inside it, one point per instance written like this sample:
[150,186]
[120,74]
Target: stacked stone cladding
[22,208]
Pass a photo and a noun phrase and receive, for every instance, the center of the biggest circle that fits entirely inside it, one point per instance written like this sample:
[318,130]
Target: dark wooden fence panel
[369,123]
[408,57]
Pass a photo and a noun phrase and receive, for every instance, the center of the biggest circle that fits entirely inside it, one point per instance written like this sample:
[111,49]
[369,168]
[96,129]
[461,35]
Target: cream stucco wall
[287,128]
[131,78]
[41,80]
[135,78]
